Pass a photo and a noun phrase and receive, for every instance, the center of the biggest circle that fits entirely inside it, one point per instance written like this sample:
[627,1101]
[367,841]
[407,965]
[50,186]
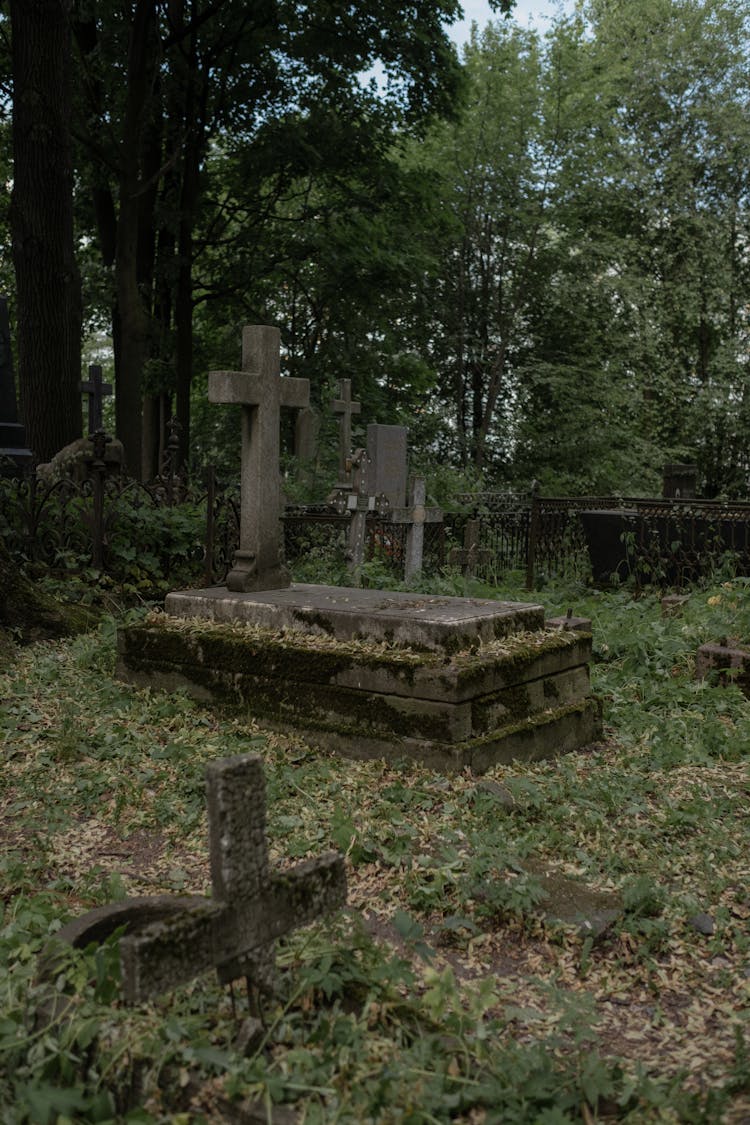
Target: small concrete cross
[415,517]
[358,503]
[346,407]
[96,391]
[251,905]
[261,392]
[471,554]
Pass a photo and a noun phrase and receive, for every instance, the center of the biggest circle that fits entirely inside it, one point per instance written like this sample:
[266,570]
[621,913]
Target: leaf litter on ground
[443,988]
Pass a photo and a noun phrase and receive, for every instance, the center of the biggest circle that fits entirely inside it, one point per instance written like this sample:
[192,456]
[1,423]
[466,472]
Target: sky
[530,13]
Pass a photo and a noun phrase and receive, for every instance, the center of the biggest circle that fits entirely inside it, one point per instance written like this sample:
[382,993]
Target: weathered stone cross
[471,554]
[346,407]
[96,391]
[261,392]
[415,517]
[251,906]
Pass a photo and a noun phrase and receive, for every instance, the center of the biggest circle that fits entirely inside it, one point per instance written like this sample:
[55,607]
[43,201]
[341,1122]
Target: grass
[441,993]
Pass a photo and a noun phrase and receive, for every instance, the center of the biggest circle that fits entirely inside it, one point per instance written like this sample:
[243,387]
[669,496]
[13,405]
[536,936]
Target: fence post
[208,558]
[533,540]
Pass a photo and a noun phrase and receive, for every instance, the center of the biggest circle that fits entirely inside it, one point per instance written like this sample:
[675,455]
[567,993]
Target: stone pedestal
[731,661]
[448,682]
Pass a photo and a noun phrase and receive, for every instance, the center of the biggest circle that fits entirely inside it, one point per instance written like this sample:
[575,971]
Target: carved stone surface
[261,392]
[526,696]
[170,941]
[386,447]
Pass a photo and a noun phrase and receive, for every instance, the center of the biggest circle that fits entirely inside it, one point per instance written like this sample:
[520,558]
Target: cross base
[246,576]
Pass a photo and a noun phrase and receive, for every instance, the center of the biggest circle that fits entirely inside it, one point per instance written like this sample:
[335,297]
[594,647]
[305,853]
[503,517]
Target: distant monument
[12,435]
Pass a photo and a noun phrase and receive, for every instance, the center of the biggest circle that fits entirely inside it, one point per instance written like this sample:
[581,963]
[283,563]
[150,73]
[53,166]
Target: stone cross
[471,554]
[346,407]
[252,905]
[96,391]
[359,503]
[415,516]
[261,392]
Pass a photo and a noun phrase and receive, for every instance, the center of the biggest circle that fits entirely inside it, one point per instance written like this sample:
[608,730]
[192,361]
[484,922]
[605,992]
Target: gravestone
[415,516]
[345,407]
[570,621]
[306,430]
[679,481]
[251,905]
[12,435]
[386,448]
[450,682]
[358,503]
[96,391]
[471,555]
[730,662]
[261,392]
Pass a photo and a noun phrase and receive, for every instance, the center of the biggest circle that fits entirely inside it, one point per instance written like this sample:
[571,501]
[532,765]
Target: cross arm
[184,946]
[243,387]
[172,952]
[299,896]
[295,392]
[342,405]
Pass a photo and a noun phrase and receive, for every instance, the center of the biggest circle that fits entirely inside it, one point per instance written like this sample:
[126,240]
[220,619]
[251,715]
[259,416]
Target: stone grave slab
[418,621]
[449,682]
[730,660]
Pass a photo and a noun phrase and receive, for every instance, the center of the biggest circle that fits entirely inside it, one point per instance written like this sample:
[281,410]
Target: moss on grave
[258,652]
[540,719]
[29,614]
[516,655]
[515,701]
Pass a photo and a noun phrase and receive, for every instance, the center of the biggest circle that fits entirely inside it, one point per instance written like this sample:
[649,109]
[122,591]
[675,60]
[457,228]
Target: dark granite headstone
[12,436]
[386,448]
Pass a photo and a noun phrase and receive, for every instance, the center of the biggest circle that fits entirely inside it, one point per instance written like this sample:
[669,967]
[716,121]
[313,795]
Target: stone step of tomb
[203,649]
[561,730]
[297,701]
[435,623]
[446,708]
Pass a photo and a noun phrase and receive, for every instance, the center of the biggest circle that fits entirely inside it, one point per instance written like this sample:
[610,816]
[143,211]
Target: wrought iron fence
[107,521]
[669,541]
[124,528]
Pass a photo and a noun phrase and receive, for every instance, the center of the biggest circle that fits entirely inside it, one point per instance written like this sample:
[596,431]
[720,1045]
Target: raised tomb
[449,682]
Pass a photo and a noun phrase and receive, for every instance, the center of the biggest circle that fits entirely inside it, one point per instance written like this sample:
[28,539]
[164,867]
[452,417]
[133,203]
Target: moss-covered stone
[374,696]
[29,614]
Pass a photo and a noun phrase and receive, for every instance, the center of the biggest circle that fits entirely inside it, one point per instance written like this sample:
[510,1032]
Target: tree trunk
[47,278]
[133,315]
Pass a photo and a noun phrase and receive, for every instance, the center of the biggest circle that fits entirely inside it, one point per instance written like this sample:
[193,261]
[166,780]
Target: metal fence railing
[190,530]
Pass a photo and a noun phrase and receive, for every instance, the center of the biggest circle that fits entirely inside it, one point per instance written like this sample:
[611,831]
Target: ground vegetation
[446,992]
